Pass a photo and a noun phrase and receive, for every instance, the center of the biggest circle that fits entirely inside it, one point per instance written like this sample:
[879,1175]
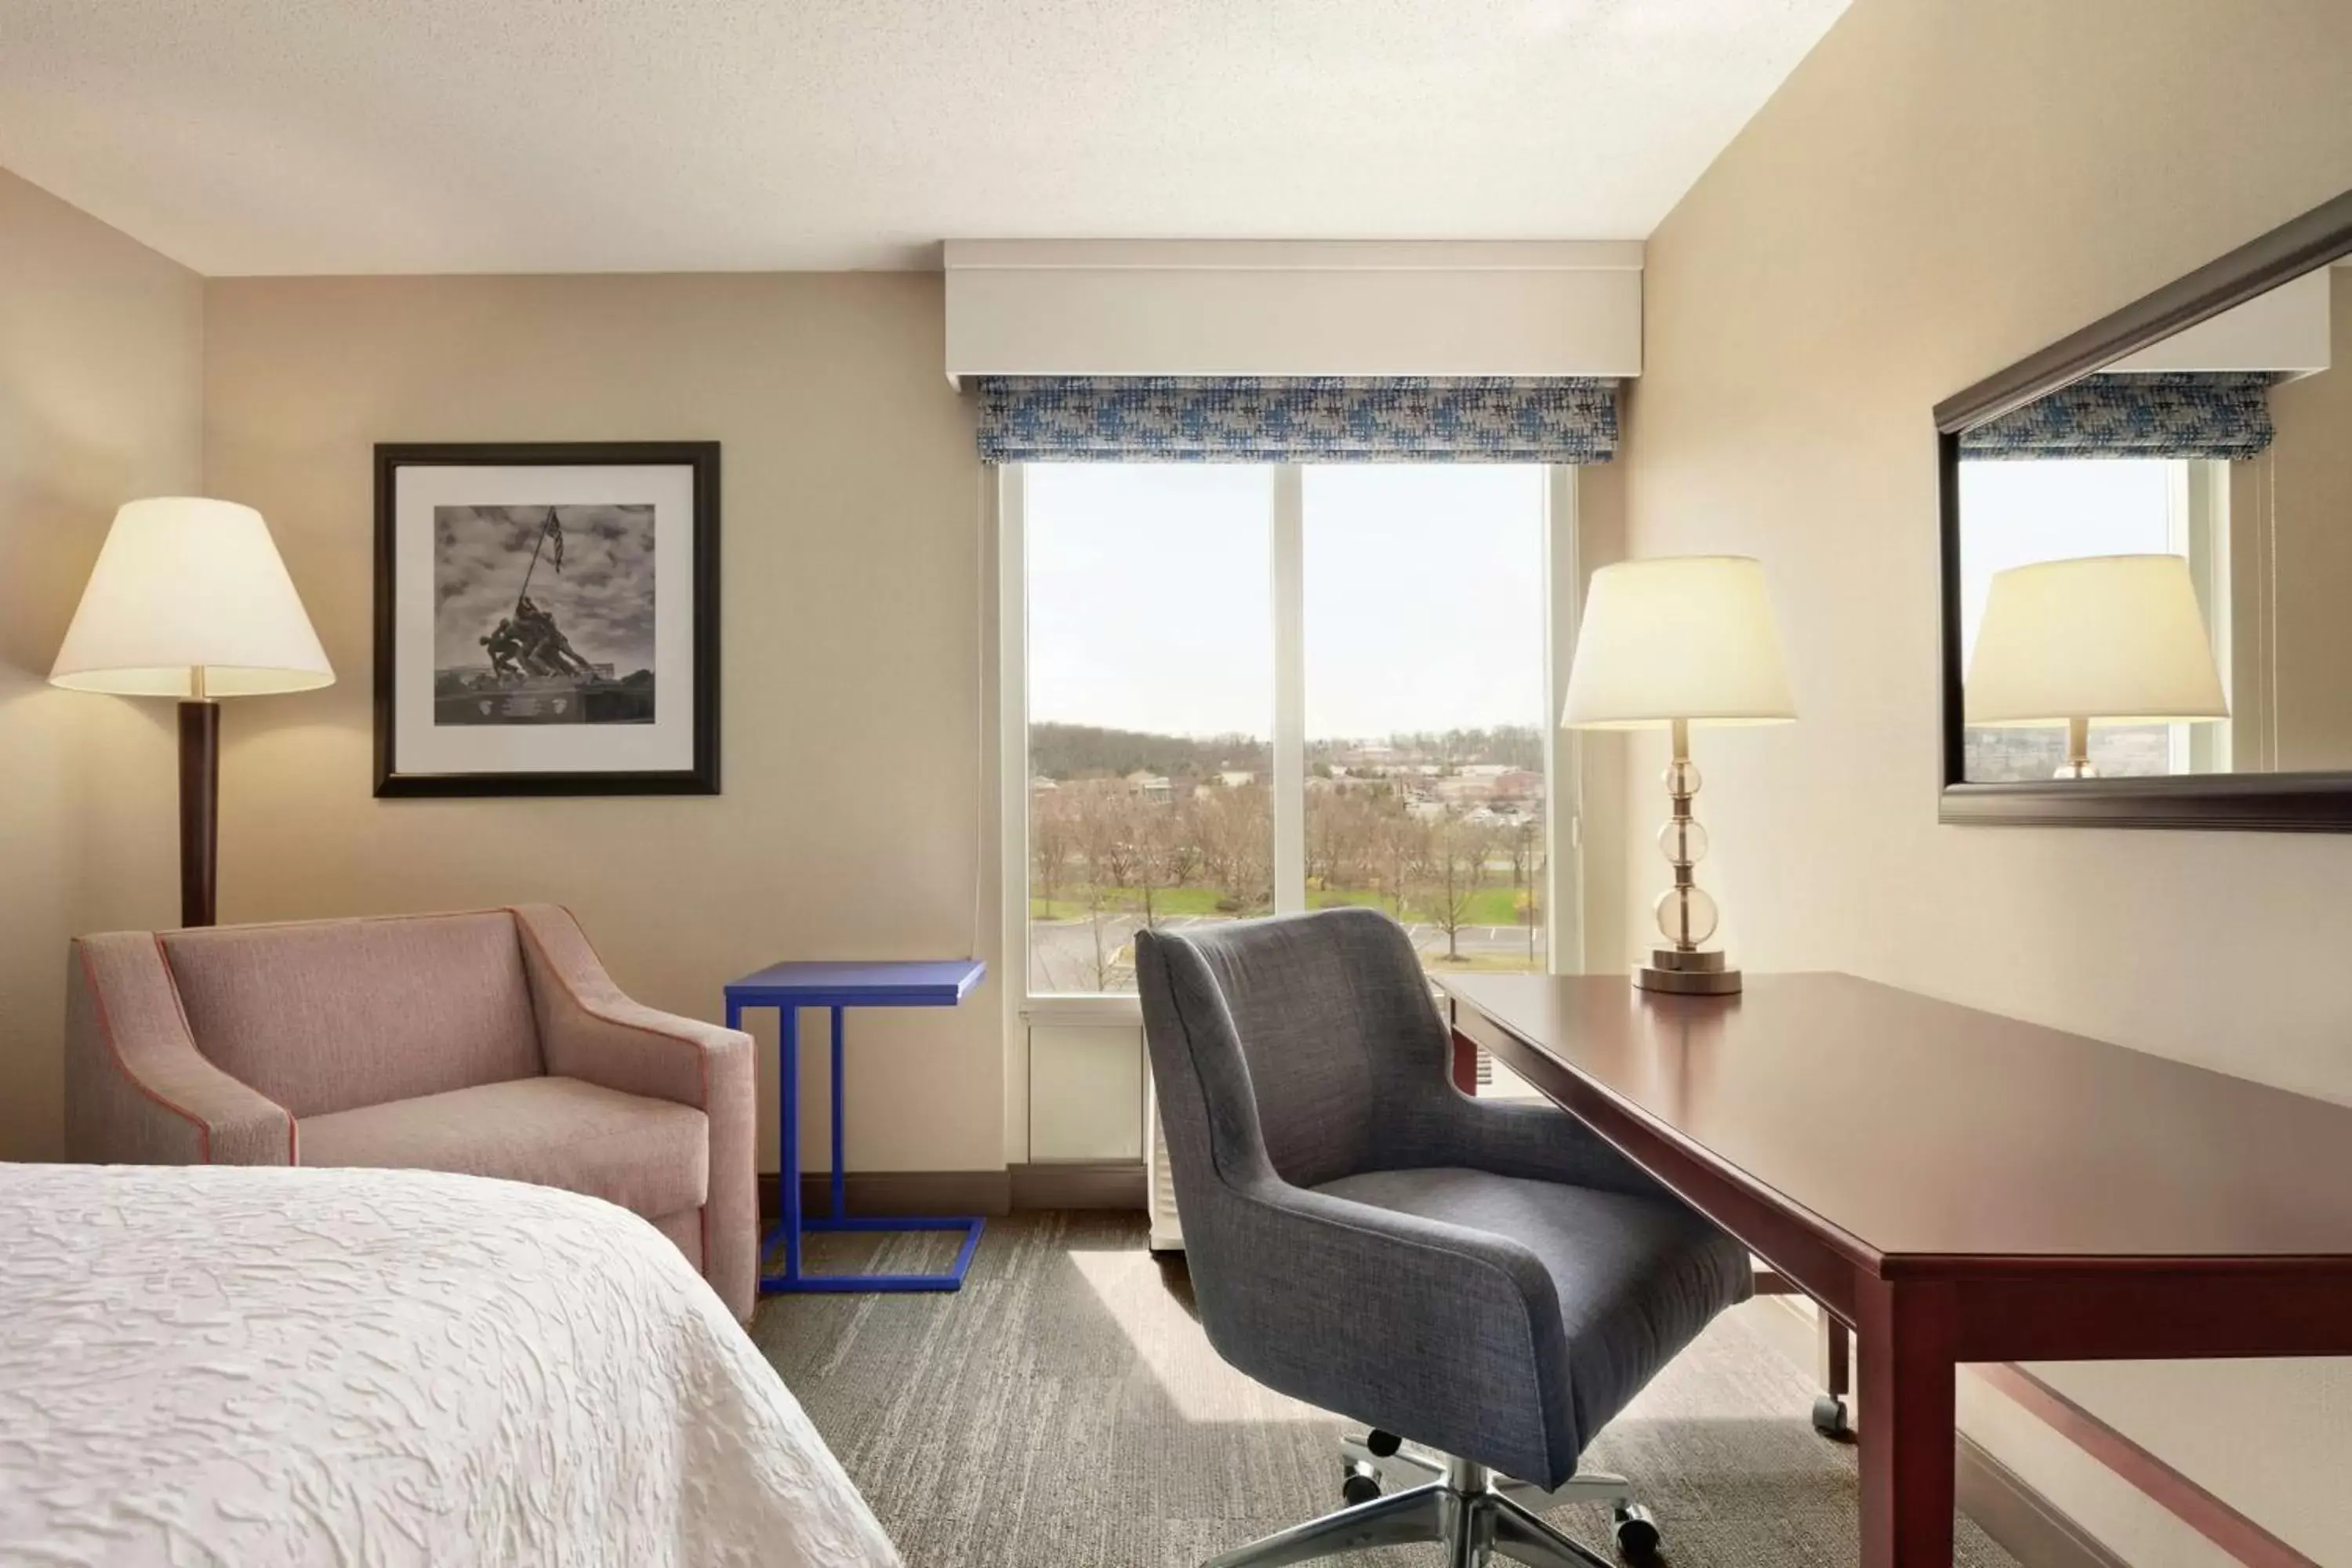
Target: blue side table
[788,987]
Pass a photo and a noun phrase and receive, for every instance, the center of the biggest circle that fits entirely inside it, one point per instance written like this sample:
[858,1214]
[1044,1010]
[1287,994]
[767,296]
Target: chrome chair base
[1476,1514]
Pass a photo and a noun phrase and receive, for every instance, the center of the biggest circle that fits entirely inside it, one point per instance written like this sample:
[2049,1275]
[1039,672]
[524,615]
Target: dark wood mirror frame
[2305,802]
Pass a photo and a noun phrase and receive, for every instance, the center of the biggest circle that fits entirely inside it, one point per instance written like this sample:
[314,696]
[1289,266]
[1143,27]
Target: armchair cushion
[1637,1278]
[325,1016]
[650,1156]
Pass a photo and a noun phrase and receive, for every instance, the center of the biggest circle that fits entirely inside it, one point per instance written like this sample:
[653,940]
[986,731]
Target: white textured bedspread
[216,1365]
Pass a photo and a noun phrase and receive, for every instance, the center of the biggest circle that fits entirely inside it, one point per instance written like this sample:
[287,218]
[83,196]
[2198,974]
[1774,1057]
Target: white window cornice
[1284,308]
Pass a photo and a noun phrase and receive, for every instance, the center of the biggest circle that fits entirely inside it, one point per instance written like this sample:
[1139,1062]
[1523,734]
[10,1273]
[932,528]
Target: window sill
[1113,1008]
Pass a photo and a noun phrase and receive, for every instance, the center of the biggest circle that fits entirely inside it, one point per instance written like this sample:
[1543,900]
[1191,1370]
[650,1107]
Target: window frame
[1563,916]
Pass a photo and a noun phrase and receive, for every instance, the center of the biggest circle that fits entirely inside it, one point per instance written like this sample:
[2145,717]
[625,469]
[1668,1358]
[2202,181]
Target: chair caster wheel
[1361,1485]
[1830,1418]
[1637,1533]
[1383,1444]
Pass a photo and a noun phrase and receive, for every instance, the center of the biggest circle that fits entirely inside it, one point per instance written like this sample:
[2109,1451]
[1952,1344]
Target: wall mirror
[2147,557]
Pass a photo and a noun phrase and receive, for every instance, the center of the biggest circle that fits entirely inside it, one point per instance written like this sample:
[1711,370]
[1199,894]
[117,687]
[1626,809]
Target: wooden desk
[1955,1186]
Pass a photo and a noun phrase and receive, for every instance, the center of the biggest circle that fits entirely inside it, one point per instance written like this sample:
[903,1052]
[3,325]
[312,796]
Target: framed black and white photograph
[547,618]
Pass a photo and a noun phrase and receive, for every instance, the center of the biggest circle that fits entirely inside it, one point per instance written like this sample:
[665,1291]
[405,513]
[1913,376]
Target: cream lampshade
[189,599]
[2100,639]
[1668,644]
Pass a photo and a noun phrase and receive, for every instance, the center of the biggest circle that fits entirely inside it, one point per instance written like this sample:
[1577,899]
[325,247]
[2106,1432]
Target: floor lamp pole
[199,804]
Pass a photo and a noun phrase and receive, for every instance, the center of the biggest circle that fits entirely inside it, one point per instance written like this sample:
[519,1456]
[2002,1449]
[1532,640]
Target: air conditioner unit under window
[1167,1235]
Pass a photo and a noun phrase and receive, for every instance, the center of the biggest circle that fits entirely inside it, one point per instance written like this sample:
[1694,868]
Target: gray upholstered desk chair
[1485,1278]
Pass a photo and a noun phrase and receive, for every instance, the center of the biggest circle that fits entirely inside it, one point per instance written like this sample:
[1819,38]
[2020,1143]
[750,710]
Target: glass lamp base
[1686,973]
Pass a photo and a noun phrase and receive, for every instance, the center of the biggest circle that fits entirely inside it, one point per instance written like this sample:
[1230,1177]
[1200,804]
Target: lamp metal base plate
[1686,973]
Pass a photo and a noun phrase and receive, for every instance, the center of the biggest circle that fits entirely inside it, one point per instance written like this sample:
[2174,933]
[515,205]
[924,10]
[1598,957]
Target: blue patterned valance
[2179,413]
[1318,419]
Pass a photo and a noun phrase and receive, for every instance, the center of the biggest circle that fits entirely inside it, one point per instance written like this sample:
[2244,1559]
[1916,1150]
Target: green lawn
[1125,901]
[1489,906]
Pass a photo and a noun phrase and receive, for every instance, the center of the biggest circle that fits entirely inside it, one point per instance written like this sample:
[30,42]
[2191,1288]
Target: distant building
[1151,786]
[1236,779]
[1041,784]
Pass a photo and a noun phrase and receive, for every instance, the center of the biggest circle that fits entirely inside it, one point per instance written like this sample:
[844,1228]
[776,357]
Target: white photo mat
[423,748]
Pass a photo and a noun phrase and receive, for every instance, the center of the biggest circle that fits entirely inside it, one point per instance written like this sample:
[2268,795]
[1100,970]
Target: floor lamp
[189,599]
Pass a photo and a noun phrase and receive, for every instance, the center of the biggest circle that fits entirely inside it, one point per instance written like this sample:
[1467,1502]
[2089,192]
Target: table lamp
[1671,643]
[189,600]
[2111,639]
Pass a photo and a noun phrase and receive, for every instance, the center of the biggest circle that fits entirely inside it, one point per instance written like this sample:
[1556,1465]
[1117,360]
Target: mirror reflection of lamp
[2104,640]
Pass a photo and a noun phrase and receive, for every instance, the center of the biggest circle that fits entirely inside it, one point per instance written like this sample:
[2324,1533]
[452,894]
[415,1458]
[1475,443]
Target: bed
[236,1365]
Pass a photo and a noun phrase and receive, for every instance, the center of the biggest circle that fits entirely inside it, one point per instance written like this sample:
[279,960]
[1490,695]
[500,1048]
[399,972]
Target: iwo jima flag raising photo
[517,641]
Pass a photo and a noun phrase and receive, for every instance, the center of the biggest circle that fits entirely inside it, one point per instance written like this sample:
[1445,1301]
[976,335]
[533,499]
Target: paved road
[1062,954]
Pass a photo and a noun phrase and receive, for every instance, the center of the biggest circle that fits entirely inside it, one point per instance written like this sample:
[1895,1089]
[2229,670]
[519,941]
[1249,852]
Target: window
[2020,512]
[1150,694]
[1251,689]
[1425,725]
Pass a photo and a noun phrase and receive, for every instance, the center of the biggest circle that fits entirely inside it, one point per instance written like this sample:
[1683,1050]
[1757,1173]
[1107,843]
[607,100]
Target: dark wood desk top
[1907,1127]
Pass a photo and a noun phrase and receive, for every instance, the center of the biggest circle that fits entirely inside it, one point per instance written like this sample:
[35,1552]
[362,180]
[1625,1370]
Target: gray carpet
[1065,1408]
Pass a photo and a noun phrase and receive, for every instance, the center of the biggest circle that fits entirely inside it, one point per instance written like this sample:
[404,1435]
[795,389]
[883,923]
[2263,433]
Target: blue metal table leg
[840,1199]
[790,1229]
[788,1075]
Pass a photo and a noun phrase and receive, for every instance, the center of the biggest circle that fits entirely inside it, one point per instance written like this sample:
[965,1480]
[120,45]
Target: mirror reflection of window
[2229,444]
[2021,513]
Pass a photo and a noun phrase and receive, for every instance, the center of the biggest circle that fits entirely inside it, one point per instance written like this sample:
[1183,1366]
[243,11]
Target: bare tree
[1399,845]
[1101,830]
[1236,843]
[1342,826]
[1050,841]
[1168,851]
[1523,841]
[1454,869]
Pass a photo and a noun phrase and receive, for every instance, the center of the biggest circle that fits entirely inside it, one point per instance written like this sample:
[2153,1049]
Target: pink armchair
[491,1043]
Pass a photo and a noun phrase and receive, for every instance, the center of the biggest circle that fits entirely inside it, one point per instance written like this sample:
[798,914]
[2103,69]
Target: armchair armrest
[137,1089]
[1538,1141]
[1394,1320]
[588,1029]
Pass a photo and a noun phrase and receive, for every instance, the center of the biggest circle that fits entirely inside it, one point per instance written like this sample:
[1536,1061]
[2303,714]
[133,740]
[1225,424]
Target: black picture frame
[2282,801]
[699,457]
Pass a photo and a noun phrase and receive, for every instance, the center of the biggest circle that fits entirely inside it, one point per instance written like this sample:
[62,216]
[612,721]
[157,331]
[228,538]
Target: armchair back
[1314,1037]
[329,1016]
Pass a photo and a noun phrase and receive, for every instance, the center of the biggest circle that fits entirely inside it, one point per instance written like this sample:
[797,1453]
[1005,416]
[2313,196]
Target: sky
[1150,603]
[603,599]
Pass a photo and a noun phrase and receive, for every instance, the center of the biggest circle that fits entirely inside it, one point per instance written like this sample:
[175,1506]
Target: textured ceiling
[331,136]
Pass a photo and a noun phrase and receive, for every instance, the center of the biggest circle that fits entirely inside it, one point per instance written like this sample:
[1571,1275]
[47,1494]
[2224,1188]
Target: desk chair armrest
[588,1029]
[1538,1141]
[1403,1322]
[137,1089]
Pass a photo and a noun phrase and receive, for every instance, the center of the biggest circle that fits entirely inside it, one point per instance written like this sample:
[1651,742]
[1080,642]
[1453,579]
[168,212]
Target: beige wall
[1942,187]
[101,351]
[851,595]
[2302,489]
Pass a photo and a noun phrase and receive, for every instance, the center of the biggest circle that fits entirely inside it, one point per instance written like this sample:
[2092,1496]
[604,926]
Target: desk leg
[1907,1372]
[1831,1415]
